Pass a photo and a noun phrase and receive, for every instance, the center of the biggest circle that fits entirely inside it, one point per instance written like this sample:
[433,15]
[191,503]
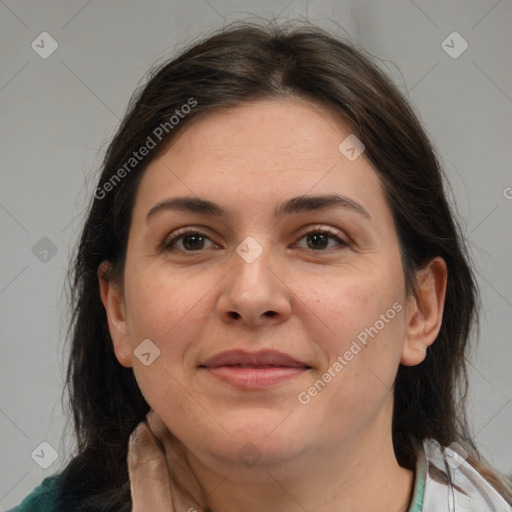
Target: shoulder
[43,498]
[452,481]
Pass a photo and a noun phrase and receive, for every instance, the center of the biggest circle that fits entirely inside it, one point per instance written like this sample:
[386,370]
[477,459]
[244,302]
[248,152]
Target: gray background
[58,112]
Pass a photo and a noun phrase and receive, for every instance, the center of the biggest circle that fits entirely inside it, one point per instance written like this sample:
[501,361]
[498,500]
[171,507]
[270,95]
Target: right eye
[190,241]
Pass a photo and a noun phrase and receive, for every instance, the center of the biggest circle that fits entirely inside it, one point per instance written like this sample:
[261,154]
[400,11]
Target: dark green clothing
[43,498]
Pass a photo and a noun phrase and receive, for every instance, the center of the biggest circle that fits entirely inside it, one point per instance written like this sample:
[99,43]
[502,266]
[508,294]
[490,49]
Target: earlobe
[113,302]
[424,312]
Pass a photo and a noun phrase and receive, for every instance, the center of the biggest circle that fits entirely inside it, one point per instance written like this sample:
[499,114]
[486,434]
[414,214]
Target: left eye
[317,239]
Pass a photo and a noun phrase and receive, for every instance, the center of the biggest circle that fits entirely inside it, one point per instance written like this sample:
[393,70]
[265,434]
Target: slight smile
[254,370]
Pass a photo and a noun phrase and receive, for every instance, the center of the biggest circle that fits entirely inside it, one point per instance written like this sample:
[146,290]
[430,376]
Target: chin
[256,443]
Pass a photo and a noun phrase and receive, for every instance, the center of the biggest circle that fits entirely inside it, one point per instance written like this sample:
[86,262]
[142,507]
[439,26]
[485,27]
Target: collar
[446,482]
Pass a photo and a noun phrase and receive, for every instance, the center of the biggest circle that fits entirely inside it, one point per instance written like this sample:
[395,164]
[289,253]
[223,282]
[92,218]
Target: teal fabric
[419,489]
[42,499]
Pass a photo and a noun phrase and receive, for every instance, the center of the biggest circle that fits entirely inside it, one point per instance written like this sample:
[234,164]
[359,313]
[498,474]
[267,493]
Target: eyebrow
[291,206]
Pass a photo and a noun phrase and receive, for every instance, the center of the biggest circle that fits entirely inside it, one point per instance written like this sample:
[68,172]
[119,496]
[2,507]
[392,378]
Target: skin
[334,453]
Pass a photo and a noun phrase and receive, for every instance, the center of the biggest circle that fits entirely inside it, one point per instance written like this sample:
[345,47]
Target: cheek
[171,313]
[359,325]
[351,305]
[163,306]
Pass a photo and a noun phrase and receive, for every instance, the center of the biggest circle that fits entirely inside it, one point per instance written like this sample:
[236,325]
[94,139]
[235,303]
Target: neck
[359,475]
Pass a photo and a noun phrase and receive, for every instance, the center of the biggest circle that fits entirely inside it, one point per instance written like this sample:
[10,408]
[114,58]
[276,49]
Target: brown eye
[318,239]
[188,242]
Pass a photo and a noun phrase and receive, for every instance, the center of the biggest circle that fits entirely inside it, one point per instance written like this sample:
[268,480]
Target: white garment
[452,484]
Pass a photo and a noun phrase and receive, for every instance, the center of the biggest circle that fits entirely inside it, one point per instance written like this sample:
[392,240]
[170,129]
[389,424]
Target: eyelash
[169,245]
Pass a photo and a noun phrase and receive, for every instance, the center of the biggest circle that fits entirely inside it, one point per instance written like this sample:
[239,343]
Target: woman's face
[248,277]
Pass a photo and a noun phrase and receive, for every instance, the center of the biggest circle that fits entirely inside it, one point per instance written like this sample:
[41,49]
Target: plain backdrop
[59,112]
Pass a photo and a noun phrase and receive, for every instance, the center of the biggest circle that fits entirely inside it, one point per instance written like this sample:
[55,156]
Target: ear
[424,312]
[113,302]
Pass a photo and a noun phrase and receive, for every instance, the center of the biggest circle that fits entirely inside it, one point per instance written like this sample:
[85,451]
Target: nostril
[234,315]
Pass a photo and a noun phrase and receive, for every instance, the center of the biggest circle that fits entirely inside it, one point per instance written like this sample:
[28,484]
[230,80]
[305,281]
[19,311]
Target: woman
[272,294]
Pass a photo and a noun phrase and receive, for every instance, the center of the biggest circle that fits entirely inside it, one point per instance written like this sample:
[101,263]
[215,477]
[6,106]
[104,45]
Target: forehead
[259,152]
[279,133]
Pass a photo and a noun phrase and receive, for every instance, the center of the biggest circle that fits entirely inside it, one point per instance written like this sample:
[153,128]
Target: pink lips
[256,370]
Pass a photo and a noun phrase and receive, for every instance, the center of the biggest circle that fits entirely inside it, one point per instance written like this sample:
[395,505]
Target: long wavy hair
[252,62]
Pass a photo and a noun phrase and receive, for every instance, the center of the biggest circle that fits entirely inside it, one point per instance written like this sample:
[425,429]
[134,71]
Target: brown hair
[250,63]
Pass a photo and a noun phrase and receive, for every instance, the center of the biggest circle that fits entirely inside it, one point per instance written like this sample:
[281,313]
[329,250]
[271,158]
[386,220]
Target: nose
[254,293]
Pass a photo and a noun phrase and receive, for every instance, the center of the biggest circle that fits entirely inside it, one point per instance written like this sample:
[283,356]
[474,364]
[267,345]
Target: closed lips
[263,359]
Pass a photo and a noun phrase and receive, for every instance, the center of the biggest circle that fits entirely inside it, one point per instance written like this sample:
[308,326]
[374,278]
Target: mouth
[257,370]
